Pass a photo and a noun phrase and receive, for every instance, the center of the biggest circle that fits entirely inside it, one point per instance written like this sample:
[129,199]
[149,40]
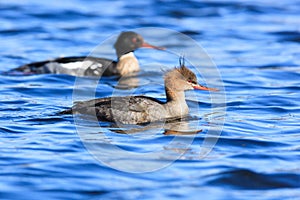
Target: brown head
[181,79]
[129,41]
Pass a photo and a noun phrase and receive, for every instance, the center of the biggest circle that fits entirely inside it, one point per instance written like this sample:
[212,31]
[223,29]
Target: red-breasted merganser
[127,63]
[143,109]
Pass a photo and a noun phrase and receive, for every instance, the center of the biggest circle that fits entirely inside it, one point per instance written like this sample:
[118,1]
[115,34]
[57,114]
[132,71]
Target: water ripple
[255,45]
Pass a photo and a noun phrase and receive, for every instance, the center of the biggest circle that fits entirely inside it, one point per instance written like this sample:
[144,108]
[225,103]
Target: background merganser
[127,63]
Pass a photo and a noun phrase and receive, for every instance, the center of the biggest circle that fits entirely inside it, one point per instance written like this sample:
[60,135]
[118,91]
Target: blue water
[255,46]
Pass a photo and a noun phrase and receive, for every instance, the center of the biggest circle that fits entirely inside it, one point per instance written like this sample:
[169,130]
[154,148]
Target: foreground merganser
[143,109]
[127,63]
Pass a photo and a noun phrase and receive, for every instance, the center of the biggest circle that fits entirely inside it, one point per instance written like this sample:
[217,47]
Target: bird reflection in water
[171,127]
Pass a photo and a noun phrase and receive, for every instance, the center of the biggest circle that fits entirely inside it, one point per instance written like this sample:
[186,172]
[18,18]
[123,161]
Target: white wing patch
[73,68]
[81,64]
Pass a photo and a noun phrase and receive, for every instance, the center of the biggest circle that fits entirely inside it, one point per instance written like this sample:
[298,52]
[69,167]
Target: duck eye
[136,40]
[192,81]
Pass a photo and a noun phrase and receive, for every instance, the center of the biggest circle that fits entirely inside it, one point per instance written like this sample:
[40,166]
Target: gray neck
[176,105]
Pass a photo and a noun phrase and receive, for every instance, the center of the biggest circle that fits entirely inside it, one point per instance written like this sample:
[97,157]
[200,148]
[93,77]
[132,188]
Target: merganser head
[181,79]
[129,41]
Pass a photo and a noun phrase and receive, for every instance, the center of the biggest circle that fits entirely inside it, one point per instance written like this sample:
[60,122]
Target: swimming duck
[127,63]
[144,109]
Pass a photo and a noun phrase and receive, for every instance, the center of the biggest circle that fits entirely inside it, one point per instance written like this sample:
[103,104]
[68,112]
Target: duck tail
[66,112]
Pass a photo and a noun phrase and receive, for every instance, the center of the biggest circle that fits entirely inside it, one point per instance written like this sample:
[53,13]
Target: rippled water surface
[256,48]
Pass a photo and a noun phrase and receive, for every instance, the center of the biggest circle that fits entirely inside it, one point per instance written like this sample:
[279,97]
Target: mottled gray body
[125,110]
